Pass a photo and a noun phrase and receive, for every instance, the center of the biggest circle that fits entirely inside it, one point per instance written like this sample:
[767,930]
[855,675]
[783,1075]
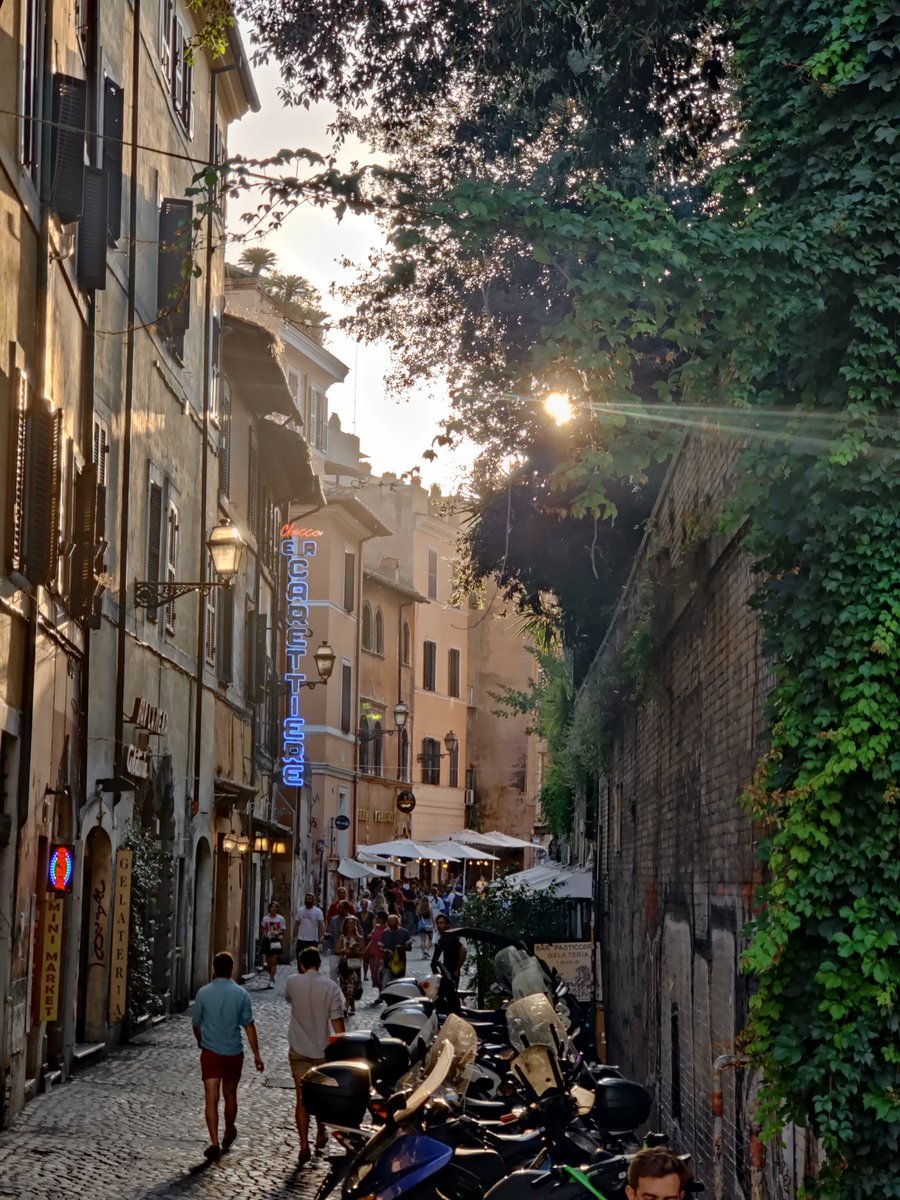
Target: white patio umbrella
[351,869]
[453,850]
[406,848]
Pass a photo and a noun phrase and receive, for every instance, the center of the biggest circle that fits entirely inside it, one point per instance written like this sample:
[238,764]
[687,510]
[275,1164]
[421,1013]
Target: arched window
[379,632]
[367,627]
[378,738]
[365,741]
[404,756]
[406,647]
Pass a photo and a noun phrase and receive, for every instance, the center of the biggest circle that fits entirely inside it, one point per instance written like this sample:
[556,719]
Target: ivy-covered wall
[674,709]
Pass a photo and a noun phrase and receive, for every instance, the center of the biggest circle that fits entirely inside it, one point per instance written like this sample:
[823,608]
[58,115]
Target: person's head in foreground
[657,1174]
[223,965]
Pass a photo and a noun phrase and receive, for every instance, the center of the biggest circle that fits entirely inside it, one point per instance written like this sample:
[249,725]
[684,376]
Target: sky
[311,243]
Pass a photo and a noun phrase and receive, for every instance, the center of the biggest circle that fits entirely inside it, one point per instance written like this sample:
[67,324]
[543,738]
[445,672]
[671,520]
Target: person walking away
[221,1009]
[333,933]
[273,930]
[366,919]
[379,904]
[317,1006]
[341,898]
[395,942]
[410,900]
[426,923]
[351,948]
[657,1174]
[309,924]
[373,952]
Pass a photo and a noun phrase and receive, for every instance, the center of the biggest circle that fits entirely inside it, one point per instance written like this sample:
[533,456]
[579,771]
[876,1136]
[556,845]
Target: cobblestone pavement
[132,1126]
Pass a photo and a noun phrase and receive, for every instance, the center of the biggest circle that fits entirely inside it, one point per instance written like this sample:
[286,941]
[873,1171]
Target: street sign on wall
[342,821]
[121,931]
[406,802]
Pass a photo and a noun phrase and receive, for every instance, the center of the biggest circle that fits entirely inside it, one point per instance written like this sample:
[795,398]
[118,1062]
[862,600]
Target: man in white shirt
[317,1004]
[309,924]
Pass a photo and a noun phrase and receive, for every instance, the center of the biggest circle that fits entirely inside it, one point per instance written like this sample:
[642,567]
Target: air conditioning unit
[470,797]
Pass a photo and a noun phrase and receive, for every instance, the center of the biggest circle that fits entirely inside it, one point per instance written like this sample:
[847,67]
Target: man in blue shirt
[220,1009]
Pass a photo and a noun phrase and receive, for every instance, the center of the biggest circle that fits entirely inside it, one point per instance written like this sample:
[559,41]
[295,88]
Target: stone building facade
[678,863]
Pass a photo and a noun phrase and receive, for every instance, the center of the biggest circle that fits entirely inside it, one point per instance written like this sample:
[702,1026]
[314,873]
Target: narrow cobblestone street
[132,1126]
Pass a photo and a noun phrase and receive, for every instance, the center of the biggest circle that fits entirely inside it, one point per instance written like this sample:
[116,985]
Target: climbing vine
[771,297]
[143,998]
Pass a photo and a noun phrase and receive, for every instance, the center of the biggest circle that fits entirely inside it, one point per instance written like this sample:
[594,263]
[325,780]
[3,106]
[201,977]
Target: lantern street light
[226,549]
[451,742]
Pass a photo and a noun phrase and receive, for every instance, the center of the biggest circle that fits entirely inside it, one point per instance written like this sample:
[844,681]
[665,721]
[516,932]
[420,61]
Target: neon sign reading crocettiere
[298,550]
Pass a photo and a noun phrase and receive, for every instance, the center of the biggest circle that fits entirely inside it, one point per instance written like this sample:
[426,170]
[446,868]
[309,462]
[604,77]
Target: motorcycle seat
[492,1016]
[486,1165]
[486,1109]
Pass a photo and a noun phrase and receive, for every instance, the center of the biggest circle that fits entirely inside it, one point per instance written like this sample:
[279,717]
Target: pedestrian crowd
[366,938]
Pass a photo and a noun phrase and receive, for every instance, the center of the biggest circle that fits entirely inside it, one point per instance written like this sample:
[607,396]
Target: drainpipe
[726,1062]
[125,502]
[409,604]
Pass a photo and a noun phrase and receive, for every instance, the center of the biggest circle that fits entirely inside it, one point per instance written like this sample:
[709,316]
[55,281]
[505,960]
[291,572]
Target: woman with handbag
[351,949]
[273,933]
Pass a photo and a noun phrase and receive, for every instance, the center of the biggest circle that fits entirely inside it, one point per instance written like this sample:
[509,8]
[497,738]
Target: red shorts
[226,1067]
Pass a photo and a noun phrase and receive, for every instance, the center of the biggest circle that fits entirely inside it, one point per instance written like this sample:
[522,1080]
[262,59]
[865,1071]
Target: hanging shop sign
[121,931]
[60,869]
[137,762]
[406,802]
[147,716]
[341,822]
[51,960]
[297,548]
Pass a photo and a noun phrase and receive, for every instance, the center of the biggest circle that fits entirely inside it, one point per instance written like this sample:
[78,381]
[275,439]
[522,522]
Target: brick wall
[678,851]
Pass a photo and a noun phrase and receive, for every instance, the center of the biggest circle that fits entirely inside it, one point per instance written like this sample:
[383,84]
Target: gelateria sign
[298,546]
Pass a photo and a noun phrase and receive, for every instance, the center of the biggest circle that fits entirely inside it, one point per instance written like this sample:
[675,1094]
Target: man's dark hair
[223,965]
[657,1164]
[309,959]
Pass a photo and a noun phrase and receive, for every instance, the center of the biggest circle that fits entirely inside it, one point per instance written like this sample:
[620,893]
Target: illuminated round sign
[406,802]
[60,869]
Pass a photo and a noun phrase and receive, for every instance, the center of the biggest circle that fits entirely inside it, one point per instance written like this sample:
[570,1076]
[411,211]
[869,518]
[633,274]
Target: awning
[573,883]
[285,464]
[495,840]
[351,869]
[250,361]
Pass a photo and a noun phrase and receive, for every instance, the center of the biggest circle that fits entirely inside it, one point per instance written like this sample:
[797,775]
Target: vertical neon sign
[298,550]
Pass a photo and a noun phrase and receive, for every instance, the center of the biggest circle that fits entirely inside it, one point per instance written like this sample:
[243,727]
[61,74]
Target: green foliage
[765,297]
[529,916]
[145,884]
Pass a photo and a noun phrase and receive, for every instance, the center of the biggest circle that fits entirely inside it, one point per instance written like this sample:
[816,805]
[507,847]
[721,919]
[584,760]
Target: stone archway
[203,897]
[93,974]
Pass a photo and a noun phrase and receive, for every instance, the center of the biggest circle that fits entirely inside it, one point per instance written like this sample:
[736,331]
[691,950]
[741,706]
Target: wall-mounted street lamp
[324,658]
[401,716]
[226,548]
[451,741]
[235,844]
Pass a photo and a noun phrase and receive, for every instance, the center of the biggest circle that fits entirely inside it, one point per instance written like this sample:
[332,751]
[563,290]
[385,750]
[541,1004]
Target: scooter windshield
[520,974]
[533,1021]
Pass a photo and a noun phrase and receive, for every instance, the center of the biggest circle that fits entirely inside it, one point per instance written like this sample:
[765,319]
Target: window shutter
[173,288]
[84,534]
[16,504]
[349,580]
[67,147]
[253,490]
[92,231]
[261,663]
[113,128]
[42,488]
[154,539]
[346,696]
[212,620]
[101,451]
[171,560]
[225,441]
[226,636]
